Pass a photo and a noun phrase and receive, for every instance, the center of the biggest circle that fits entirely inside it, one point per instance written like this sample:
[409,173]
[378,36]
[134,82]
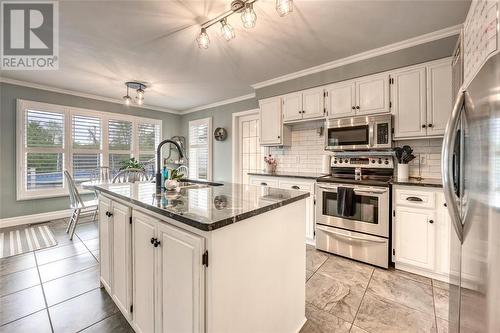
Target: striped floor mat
[25,239]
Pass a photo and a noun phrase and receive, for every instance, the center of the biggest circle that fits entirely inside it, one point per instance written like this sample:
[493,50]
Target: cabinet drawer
[291,185]
[264,182]
[412,198]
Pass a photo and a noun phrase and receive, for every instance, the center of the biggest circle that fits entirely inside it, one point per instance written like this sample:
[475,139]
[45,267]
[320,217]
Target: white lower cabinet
[421,229]
[152,270]
[293,184]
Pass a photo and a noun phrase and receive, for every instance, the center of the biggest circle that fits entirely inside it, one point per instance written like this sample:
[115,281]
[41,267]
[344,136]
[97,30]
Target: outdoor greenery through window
[54,138]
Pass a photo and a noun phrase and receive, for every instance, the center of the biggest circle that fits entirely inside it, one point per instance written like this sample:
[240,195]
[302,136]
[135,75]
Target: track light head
[248,17]
[284,7]
[203,40]
[227,30]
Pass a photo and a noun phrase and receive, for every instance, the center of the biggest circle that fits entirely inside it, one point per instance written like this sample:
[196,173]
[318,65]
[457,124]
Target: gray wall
[222,116]
[9,207]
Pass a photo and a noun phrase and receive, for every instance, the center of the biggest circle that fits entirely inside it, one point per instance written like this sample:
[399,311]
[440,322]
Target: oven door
[349,137]
[371,214]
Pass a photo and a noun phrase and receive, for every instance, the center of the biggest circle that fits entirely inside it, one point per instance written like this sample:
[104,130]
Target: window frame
[22,193]
[209,145]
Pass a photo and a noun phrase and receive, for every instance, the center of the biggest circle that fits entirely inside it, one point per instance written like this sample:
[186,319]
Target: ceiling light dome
[227,30]
[248,17]
[284,7]
[203,40]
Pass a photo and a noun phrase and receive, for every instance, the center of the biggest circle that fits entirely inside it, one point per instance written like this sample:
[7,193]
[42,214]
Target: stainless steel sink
[192,185]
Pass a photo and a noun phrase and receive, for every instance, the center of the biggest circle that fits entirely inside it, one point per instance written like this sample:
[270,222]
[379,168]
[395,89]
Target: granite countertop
[304,175]
[426,182]
[206,208]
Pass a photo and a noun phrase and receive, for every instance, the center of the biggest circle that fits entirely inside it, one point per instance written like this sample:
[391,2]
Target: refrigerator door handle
[446,162]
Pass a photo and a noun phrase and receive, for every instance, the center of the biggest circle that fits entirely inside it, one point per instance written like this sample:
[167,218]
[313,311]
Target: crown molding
[220,103]
[422,39]
[80,94]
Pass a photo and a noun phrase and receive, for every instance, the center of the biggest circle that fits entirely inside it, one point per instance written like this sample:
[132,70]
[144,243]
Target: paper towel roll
[325,164]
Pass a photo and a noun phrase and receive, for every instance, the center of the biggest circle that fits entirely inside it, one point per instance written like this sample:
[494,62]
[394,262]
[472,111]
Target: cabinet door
[292,106]
[122,258]
[439,98]
[270,121]
[408,97]
[444,231]
[372,94]
[105,241]
[340,100]
[180,293]
[313,103]
[143,230]
[415,237]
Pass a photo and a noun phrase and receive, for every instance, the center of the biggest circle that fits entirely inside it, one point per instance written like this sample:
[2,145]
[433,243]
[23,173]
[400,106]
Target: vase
[270,168]
[403,171]
[171,184]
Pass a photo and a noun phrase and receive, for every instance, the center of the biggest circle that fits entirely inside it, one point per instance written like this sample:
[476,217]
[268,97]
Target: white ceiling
[105,43]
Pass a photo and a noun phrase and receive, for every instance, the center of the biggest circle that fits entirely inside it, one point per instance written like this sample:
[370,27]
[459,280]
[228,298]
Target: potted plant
[270,164]
[172,182]
[132,163]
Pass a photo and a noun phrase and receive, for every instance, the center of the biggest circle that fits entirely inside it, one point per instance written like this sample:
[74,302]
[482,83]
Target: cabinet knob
[445,204]
[279,137]
[424,126]
[357,107]
[152,240]
[157,242]
[109,214]
[430,125]
[354,108]
[431,221]
[303,111]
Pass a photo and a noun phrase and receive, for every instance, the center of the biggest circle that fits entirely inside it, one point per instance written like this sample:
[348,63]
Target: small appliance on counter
[353,206]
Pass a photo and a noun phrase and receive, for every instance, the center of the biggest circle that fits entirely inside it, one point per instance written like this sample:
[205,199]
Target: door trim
[235,142]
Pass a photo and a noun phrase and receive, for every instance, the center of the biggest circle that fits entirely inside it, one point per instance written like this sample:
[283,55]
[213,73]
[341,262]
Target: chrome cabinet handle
[417,199]
[349,236]
[263,184]
[446,161]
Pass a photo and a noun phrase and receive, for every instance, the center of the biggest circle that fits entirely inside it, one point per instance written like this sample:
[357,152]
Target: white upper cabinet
[306,104]
[292,106]
[409,104]
[372,94]
[340,100]
[439,96]
[313,103]
[270,121]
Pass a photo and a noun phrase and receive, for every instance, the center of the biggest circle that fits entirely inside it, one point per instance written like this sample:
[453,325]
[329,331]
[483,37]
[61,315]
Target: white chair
[130,175]
[77,204]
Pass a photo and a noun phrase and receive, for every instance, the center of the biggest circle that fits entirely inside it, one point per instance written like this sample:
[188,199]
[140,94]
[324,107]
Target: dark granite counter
[303,175]
[204,207]
[425,182]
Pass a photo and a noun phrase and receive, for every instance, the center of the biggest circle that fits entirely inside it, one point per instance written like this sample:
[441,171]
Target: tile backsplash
[306,152]
[428,152]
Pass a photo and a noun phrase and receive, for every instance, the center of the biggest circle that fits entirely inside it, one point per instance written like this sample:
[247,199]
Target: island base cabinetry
[168,277]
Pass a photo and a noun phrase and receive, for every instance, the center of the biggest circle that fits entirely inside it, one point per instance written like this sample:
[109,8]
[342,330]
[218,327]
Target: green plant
[175,175]
[132,163]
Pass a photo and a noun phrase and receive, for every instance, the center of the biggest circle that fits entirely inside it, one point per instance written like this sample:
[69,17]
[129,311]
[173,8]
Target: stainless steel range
[363,234]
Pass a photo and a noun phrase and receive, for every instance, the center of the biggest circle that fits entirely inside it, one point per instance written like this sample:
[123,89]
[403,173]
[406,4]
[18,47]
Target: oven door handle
[359,190]
[348,236]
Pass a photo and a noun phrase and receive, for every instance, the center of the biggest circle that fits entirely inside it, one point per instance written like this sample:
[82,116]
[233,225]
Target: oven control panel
[362,162]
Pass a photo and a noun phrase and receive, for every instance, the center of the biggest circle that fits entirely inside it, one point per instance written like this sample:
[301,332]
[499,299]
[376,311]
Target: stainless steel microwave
[359,133]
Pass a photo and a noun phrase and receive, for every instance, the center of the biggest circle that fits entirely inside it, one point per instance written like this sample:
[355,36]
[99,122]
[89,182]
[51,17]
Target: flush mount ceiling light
[248,17]
[139,88]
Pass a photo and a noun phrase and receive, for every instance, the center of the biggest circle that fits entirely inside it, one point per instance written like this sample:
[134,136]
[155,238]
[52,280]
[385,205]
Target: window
[53,138]
[200,149]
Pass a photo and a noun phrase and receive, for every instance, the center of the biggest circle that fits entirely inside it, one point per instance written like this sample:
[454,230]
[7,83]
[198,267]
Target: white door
[180,293]
[105,241]
[250,153]
[122,258]
[439,97]
[372,94]
[340,100]
[292,106]
[415,237]
[270,121]
[313,103]
[409,103]
[143,232]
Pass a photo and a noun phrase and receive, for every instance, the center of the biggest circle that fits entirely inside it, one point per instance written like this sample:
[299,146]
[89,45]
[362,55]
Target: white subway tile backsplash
[430,149]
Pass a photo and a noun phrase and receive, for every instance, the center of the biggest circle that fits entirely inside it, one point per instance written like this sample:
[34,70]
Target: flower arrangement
[271,163]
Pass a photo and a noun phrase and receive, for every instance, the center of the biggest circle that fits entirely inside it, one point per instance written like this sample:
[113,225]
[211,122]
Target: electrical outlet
[423,159]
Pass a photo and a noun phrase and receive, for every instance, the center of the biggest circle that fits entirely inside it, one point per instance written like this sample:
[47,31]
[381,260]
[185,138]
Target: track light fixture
[139,90]
[248,17]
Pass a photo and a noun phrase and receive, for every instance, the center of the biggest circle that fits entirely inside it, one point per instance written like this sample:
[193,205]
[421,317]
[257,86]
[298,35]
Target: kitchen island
[222,259]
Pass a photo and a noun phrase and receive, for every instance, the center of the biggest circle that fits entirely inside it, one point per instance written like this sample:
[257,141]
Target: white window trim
[210,142]
[22,105]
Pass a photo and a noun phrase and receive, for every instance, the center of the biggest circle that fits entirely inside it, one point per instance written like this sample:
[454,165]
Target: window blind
[120,135]
[86,132]
[199,149]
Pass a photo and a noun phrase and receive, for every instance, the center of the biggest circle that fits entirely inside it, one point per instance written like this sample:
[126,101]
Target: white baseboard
[34,218]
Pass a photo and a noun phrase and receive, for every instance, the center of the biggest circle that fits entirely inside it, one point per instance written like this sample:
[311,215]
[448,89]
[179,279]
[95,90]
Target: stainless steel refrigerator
[471,182]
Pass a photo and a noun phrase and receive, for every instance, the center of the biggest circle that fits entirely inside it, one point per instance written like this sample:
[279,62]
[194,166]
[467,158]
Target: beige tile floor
[347,296]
